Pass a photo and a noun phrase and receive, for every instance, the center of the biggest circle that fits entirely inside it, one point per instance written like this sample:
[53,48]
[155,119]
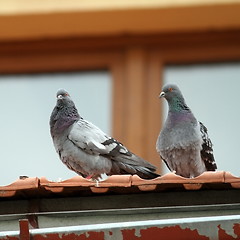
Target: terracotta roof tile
[118,184]
[27,183]
[233,180]
[19,185]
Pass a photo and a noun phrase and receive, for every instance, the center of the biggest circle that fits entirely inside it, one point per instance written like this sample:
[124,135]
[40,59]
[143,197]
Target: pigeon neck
[70,114]
[177,105]
[65,117]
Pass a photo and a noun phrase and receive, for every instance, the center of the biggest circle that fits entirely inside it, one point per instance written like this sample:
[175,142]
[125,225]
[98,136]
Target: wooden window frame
[136,64]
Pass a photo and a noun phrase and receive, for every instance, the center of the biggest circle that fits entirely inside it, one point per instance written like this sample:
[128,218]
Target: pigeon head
[63,95]
[170,91]
[64,100]
[64,114]
[174,97]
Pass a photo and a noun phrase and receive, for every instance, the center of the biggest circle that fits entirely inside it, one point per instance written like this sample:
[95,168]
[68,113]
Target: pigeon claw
[89,176]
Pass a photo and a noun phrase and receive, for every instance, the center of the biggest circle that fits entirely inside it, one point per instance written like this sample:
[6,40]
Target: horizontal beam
[13,7]
[191,228]
[198,17]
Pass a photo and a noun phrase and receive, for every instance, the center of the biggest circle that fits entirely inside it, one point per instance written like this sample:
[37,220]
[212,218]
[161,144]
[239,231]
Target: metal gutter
[132,211]
[197,208]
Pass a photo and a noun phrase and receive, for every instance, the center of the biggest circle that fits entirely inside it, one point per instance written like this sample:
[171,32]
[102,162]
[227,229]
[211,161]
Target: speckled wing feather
[92,140]
[89,138]
[207,150]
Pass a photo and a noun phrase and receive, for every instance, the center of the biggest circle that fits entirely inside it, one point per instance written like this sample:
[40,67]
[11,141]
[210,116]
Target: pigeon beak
[60,96]
[162,94]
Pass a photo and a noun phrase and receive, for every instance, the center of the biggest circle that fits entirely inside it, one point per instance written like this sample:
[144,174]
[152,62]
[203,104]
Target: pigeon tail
[146,173]
[134,165]
[207,150]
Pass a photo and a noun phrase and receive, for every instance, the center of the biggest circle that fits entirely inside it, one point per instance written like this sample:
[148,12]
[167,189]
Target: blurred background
[113,58]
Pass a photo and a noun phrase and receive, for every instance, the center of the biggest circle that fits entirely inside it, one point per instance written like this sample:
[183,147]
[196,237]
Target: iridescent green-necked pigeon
[183,142]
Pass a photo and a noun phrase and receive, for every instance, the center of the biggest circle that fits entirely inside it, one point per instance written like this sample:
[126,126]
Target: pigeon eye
[170,89]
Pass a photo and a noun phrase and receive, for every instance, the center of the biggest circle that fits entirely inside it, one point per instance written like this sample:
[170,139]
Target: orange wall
[43,19]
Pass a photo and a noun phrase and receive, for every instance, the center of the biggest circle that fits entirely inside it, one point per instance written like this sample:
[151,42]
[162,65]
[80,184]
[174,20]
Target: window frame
[136,63]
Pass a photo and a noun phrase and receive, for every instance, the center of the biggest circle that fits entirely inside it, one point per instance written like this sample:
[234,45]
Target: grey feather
[86,149]
[183,142]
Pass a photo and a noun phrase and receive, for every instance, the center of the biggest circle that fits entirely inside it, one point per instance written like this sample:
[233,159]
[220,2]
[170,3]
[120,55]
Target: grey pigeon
[86,149]
[183,142]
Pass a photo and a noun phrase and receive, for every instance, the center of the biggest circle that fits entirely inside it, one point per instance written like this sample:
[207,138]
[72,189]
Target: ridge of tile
[173,179]
[206,177]
[78,181]
[149,187]
[99,189]
[231,179]
[58,187]
[117,183]
[83,183]
[192,186]
[21,184]
[5,194]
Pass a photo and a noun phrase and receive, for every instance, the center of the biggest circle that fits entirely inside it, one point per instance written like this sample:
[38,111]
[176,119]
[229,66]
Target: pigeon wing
[92,140]
[207,150]
[89,138]
[125,161]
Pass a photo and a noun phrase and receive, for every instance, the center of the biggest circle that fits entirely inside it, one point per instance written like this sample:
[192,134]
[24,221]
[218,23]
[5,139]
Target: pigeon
[183,142]
[87,150]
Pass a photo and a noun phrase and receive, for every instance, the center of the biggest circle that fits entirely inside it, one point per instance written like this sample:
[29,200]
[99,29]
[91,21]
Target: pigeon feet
[89,177]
